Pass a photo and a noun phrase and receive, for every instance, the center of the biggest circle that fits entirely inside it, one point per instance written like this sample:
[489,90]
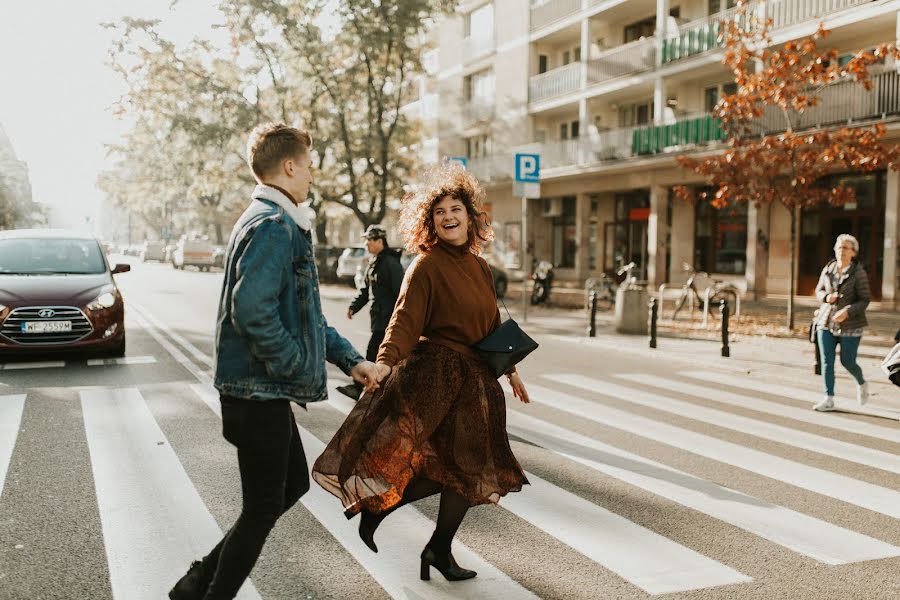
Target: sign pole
[526,259]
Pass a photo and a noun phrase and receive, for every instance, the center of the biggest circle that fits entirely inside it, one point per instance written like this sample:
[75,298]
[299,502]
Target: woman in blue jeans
[843,290]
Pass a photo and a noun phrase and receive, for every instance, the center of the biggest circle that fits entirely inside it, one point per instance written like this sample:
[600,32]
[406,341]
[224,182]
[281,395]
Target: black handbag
[506,346]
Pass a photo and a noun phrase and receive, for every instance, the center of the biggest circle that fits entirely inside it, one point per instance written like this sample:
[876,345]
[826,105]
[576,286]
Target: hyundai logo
[46,313]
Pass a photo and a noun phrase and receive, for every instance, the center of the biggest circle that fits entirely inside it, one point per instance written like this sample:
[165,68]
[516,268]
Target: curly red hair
[416,226]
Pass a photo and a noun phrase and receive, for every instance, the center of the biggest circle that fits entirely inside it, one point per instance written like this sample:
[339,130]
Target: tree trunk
[322,230]
[790,310]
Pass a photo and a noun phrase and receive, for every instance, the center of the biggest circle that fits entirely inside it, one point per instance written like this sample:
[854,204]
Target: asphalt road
[648,479]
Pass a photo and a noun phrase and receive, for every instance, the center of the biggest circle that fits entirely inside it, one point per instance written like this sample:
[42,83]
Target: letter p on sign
[528,168]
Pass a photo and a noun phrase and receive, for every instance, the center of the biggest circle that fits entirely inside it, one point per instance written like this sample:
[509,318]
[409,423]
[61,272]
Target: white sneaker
[825,405]
[862,393]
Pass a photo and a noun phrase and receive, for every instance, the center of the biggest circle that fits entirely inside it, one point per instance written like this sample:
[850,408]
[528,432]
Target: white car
[351,260]
[197,253]
[153,250]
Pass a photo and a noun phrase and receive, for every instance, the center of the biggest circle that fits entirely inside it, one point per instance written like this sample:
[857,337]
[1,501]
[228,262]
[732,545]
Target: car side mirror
[121,268]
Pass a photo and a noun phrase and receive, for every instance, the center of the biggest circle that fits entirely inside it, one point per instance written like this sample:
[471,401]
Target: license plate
[46,326]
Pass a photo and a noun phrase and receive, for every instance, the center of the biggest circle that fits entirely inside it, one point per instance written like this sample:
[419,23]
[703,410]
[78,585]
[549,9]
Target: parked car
[196,253]
[350,261]
[327,262]
[57,293]
[153,250]
[498,272]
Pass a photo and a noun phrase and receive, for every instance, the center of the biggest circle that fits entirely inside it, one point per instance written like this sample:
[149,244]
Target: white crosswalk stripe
[154,521]
[11,408]
[847,489]
[648,560]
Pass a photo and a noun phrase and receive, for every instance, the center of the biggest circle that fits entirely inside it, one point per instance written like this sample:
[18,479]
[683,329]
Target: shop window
[720,242]
[565,241]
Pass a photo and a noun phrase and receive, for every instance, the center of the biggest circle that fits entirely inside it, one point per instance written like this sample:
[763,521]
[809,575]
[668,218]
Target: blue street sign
[460,159]
[528,168]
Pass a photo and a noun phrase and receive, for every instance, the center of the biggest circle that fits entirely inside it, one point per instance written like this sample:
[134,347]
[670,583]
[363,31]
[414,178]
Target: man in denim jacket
[272,342]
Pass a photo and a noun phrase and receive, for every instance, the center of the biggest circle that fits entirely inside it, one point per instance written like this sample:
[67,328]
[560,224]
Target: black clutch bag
[506,346]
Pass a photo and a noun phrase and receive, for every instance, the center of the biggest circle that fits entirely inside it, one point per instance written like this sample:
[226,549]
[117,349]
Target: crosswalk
[594,448]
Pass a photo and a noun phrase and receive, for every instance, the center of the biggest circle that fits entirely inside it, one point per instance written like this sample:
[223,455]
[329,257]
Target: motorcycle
[543,281]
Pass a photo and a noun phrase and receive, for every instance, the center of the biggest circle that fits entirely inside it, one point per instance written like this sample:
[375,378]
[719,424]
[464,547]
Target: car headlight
[104,300]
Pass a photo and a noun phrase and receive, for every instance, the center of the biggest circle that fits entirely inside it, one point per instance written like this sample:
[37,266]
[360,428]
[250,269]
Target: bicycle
[605,288]
[700,280]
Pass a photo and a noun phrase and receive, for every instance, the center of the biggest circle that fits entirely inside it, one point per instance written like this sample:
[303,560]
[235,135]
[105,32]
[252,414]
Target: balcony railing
[689,131]
[476,112]
[634,57]
[474,47]
[551,11]
[612,144]
[702,35]
[555,83]
[495,167]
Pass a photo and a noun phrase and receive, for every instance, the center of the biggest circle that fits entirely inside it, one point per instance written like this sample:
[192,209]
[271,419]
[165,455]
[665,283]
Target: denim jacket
[272,339]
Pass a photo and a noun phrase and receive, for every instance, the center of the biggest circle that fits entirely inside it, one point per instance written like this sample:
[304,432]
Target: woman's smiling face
[451,221]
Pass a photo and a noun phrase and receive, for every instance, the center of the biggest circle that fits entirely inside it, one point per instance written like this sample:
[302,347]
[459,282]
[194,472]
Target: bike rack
[706,294]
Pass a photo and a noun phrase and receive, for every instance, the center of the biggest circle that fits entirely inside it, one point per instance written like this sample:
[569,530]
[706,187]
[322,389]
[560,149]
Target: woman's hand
[832,297]
[381,372]
[841,315]
[518,387]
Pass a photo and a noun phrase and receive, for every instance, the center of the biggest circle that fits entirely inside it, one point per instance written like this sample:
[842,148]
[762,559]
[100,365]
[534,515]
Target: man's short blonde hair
[271,144]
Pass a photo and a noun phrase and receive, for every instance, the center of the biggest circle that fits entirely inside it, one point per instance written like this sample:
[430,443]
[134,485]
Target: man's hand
[349,313]
[366,373]
[841,315]
[518,387]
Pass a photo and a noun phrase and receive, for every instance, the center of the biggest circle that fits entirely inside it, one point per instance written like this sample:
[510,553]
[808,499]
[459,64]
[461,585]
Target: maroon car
[57,294]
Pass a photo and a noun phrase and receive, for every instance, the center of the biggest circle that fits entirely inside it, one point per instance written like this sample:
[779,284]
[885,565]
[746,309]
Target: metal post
[706,294]
[592,326]
[662,298]
[653,315]
[526,260]
[725,350]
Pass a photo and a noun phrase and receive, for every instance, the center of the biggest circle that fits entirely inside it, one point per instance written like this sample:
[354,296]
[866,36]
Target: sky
[56,91]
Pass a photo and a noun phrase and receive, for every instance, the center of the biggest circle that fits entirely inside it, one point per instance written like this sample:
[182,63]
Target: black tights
[450,515]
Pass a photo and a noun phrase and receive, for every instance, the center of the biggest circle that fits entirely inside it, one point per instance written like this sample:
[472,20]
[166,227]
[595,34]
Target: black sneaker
[353,390]
[193,585]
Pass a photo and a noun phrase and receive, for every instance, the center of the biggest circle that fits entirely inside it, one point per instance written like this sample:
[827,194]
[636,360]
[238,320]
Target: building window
[566,57]
[716,6]
[565,241]
[479,24]
[625,237]
[564,131]
[542,63]
[636,114]
[640,29]
[478,146]
[720,239]
[712,94]
[478,88]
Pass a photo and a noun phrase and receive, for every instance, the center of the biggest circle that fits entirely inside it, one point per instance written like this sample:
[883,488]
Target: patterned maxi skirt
[439,415]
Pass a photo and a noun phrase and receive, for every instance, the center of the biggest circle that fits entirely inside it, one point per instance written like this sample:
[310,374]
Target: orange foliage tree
[771,156]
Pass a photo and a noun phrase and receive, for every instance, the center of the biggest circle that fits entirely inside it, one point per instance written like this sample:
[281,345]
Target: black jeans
[374,343]
[273,477]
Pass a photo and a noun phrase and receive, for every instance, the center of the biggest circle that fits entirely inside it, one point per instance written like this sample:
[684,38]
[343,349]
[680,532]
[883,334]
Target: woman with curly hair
[438,422]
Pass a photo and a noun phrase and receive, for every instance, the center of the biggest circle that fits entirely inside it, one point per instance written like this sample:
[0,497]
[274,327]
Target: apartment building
[609,92]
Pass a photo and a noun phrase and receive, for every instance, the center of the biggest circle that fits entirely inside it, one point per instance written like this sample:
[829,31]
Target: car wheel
[500,287]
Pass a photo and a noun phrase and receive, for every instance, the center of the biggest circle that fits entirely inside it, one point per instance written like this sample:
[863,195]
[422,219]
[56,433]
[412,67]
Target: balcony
[555,83]
[496,167]
[476,111]
[477,46]
[551,11]
[691,131]
[702,35]
[635,57]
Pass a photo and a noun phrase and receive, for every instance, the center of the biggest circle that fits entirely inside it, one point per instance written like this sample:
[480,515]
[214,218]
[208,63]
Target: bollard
[592,326]
[725,350]
[653,315]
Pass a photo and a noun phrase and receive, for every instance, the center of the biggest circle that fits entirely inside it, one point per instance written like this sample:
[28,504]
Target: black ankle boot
[368,523]
[193,585]
[445,563]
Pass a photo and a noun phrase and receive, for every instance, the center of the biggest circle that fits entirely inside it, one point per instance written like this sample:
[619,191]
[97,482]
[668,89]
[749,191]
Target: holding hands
[366,373]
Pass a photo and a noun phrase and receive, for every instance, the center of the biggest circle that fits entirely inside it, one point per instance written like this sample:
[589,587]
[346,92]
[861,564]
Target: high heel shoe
[368,523]
[446,564]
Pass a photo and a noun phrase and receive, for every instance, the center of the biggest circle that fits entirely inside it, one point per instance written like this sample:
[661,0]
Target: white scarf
[302,214]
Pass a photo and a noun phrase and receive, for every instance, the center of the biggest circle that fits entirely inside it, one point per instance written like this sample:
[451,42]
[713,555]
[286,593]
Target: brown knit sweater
[447,298]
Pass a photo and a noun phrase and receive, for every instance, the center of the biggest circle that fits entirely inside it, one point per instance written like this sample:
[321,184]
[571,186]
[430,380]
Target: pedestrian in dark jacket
[843,290]
[384,275]
[272,342]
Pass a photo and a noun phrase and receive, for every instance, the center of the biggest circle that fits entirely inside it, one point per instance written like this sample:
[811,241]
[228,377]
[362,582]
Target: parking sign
[528,168]
[460,159]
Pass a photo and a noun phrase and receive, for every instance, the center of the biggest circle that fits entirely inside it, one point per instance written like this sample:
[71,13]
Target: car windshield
[36,256]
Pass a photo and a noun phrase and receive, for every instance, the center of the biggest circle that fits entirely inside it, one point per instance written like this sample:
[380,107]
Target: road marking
[803,534]
[11,408]
[648,560]
[394,567]
[769,431]
[47,364]
[820,481]
[886,433]
[187,345]
[154,521]
[124,360]
[177,354]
